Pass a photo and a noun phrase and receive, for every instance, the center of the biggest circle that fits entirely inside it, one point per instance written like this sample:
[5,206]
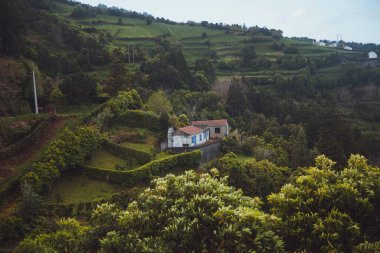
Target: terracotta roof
[215,122]
[190,130]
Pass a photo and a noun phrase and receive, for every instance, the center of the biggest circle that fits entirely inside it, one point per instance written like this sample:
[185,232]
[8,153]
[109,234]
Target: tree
[117,76]
[125,100]
[79,87]
[205,66]
[236,102]
[159,103]
[299,154]
[186,213]
[247,54]
[255,178]
[325,210]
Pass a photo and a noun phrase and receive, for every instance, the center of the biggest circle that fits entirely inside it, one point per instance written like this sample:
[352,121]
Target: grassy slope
[75,188]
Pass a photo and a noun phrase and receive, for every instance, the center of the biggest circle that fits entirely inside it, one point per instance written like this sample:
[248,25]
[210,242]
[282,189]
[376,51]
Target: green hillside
[89,174]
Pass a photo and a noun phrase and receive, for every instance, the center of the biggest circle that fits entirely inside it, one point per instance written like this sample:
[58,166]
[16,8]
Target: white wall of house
[187,140]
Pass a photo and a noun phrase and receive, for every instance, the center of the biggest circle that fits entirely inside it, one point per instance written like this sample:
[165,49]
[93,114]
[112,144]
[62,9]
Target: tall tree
[117,76]
[236,101]
[247,54]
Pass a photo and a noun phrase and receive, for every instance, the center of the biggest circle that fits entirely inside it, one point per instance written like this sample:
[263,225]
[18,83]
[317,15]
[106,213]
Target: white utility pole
[35,93]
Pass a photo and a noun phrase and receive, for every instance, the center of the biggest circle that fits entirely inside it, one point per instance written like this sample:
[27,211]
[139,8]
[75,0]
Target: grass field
[106,160]
[148,146]
[75,188]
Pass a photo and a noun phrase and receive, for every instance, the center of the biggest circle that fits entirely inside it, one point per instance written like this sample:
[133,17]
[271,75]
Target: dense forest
[298,172]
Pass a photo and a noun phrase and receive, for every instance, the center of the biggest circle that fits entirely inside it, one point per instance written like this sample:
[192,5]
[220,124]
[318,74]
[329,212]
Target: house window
[205,135]
[200,137]
[217,130]
[194,139]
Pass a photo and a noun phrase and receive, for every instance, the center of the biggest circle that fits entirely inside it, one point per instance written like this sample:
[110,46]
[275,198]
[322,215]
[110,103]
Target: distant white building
[347,48]
[321,43]
[333,45]
[372,55]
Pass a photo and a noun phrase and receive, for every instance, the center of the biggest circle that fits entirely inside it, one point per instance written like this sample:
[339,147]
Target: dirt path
[8,167]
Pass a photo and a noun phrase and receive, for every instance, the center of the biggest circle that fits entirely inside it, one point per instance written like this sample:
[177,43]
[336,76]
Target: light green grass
[148,146]
[105,160]
[76,188]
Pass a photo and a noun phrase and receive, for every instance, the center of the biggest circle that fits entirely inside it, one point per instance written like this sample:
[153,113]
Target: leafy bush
[325,210]
[138,119]
[187,213]
[70,150]
[125,100]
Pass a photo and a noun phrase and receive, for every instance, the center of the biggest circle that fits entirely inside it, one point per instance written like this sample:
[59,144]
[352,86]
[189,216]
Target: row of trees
[318,210]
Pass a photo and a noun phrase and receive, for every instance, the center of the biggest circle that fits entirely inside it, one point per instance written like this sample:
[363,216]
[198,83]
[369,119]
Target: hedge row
[126,153]
[138,119]
[146,172]
[85,208]
[27,141]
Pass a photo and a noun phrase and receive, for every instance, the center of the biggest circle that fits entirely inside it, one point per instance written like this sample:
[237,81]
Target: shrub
[66,152]
[138,119]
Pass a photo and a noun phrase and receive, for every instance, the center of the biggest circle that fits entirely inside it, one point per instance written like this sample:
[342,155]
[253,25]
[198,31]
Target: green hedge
[138,119]
[146,172]
[140,156]
[27,141]
[85,208]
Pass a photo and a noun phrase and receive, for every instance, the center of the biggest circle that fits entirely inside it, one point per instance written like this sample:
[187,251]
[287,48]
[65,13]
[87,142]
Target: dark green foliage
[255,178]
[138,119]
[168,70]
[11,228]
[236,101]
[117,76]
[198,105]
[293,62]
[79,87]
[83,11]
[12,30]
[148,171]
[247,54]
[207,67]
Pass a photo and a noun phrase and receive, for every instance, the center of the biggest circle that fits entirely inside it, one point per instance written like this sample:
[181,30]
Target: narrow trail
[8,167]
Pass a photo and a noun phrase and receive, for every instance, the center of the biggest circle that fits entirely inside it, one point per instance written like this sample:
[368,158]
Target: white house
[189,136]
[347,48]
[198,133]
[372,55]
[333,45]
